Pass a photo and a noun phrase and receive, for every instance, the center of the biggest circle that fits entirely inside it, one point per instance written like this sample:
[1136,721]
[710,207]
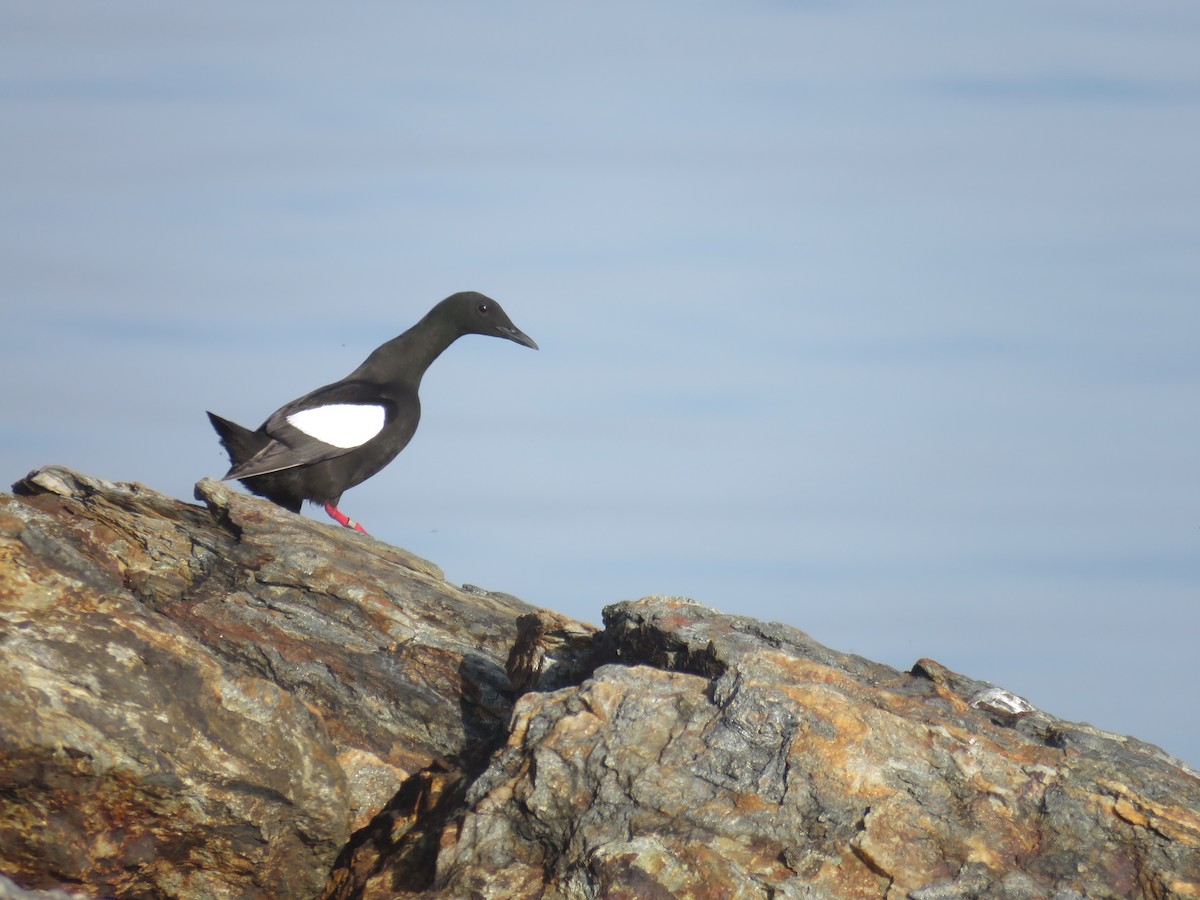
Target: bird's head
[475,313]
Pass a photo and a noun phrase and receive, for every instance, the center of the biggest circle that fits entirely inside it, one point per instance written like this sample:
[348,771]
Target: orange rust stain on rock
[1172,822]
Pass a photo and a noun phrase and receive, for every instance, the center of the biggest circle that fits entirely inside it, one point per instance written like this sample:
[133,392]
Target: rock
[549,651]
[229,700]
[207,702]
[725,757]
[10,891]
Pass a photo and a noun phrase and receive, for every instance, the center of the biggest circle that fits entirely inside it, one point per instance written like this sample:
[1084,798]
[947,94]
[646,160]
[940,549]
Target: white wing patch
[342,425]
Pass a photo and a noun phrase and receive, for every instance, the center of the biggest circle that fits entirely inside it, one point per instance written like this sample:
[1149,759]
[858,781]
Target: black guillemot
[337,436]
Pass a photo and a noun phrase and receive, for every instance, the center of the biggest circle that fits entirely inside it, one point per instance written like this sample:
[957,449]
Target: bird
[322,444]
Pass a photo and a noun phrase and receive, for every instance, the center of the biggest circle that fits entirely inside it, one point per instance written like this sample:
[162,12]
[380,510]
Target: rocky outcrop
[722,751]
[229,700]
[210,702]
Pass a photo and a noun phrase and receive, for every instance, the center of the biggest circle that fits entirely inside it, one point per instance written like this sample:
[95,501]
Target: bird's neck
[404,359]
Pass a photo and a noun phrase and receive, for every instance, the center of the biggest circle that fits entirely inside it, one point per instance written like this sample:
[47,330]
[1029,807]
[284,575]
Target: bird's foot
[342,519]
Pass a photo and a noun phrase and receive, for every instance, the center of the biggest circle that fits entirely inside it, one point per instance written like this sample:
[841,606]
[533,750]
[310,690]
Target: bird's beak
[513,333]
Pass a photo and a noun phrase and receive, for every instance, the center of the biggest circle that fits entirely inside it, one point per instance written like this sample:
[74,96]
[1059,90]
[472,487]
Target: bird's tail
[240,443]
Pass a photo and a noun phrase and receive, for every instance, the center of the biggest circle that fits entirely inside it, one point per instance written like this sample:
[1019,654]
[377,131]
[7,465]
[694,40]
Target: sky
[879,320]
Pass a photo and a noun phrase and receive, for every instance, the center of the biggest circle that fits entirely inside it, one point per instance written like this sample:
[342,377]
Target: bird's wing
[326,423]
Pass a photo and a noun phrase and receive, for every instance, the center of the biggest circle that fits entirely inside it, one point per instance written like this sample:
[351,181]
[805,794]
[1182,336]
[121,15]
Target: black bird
[337,436]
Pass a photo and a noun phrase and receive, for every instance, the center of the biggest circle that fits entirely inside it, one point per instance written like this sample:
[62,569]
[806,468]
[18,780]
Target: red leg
[342,519]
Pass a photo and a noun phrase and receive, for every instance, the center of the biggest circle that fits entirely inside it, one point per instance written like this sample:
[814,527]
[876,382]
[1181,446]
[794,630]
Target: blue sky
[877,320]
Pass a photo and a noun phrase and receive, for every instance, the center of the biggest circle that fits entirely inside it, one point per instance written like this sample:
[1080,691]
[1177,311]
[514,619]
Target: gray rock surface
[723,751]
[208,702]
[229,700]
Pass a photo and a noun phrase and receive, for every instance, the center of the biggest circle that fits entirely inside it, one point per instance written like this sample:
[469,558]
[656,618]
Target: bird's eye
[485,308]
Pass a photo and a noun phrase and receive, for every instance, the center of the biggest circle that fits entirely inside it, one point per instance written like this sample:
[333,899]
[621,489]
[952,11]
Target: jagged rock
[207,702]
[234,701]
[725,757]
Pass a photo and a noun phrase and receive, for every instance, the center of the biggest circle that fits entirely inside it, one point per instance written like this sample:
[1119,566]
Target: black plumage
[339,435]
